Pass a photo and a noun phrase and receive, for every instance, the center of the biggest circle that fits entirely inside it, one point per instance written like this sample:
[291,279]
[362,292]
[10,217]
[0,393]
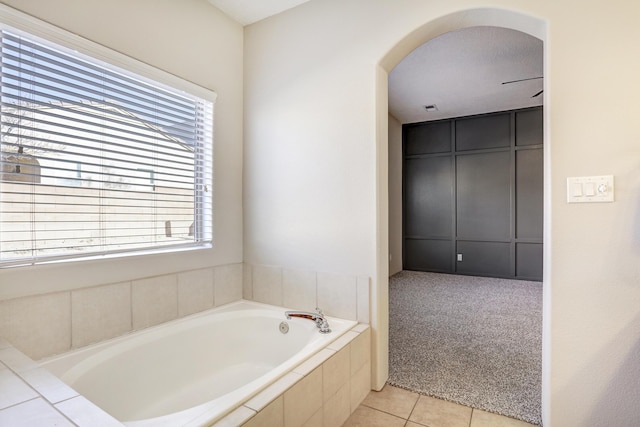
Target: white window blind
[95,159]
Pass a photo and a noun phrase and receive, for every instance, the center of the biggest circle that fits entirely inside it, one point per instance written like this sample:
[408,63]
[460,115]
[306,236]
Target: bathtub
[210,362]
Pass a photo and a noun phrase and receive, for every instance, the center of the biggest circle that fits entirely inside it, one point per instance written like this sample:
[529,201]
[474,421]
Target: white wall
[313,200]
[196,42]
[395,196]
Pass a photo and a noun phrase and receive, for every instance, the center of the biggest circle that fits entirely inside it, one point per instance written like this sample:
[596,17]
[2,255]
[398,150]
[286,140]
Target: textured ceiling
[461,72]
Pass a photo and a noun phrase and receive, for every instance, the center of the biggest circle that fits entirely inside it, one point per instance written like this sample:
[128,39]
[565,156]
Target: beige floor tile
[368,417]
[393,400]
[440,413]
[487,419]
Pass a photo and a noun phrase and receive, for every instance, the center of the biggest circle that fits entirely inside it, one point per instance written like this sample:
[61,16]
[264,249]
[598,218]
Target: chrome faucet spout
[318,317]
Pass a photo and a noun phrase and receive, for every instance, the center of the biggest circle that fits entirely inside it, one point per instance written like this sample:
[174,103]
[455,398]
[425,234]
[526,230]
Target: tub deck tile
[269,394]
[34,412]
[344,340]
[13,390]
[234,419]
[313,362]
[360,327]
[48,385]
[16,360]
[85,414]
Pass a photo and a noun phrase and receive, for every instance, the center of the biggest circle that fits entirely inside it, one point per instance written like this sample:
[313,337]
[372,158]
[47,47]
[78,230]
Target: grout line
[414,407]
[384,412]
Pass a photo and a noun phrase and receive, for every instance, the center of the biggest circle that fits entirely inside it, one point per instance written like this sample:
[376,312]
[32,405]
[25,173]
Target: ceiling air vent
[431,108]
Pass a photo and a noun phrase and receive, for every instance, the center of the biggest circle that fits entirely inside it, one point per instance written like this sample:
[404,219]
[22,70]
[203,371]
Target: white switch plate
[590,189]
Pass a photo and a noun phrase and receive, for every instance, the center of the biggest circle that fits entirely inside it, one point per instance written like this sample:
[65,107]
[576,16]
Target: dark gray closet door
[428,213]
[483,196]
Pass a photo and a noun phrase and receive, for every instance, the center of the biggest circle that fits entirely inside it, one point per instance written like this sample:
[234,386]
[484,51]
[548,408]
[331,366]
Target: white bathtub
[209,362]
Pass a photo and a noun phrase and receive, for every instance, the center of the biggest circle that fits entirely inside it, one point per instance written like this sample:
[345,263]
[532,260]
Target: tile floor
[396,407]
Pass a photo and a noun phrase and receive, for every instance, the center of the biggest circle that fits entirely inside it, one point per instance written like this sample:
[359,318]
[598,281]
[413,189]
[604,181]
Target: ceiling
[249,11]
[460,72]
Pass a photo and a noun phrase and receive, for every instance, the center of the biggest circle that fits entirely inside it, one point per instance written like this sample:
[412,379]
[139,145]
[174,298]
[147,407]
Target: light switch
[576,189]
[590,189]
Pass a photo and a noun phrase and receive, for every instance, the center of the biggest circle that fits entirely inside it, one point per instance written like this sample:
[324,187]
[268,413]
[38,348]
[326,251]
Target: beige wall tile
[247,281]
[315,420]
[100,313]
[154,300]
[267,284]
[337,295]
[195,291]
[227,283]
[337,408]
[360,385]
[360,350]
[363,300]
[335,373]
[39,325]
[299,289]
[272,415]
[303,400]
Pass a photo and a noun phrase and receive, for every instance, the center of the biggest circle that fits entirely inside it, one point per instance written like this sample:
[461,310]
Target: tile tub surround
[44,325]
[31,396]
[324,391]
[339,295]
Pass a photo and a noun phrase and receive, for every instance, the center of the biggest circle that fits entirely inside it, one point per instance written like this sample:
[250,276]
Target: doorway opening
[502,20]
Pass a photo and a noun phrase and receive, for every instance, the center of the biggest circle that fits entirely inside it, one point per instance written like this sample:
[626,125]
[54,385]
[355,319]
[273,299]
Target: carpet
[471,340]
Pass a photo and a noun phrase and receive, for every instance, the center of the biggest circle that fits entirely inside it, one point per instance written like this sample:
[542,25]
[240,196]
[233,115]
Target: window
[96,159]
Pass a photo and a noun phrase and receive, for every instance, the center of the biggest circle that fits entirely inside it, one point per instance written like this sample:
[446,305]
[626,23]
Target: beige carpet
[471,340]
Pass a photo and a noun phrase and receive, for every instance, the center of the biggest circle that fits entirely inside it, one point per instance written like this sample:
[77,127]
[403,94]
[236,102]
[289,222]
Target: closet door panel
[529,261]
[428,255]
[529,194]
[428,197]
[483,196]
[427,138]
[484,258]
[475,133]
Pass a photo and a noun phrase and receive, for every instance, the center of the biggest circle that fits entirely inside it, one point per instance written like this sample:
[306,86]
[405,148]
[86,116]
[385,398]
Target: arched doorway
[455,21]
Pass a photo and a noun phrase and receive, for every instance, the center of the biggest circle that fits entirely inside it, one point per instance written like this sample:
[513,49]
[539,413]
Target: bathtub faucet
[318,317]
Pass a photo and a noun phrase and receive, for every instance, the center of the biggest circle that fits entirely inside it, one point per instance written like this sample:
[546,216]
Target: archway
[455,21]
